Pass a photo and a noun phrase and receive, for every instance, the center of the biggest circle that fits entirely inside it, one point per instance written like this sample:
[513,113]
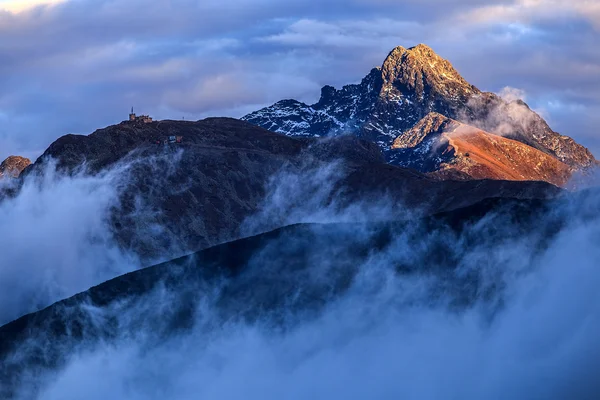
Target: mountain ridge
[409,85]
[200,191]
[67,326]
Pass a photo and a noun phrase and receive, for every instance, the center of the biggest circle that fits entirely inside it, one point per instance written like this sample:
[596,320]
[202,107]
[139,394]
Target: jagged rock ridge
[410,84]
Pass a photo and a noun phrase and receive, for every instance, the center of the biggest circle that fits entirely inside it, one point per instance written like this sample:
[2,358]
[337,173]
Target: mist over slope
[57,240]
[322,272]
[495,300]
[181,197]
[94,207]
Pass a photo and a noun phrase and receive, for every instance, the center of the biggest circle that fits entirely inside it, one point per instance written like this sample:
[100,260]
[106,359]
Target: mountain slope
[13,166]
[257,275]
[182,197]
[410,84]
[448,148]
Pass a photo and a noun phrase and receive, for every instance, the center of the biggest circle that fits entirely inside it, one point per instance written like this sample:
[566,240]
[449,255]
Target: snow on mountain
[410,84]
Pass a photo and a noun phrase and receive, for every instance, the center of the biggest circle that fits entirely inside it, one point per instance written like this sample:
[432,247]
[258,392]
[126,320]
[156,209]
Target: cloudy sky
[73,66]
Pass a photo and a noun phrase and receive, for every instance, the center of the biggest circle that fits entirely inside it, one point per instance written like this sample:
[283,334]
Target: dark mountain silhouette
[259,273]
[200,191]
[410,84]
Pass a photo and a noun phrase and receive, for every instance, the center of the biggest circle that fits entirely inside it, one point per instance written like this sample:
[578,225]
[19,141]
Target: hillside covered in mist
[406,237]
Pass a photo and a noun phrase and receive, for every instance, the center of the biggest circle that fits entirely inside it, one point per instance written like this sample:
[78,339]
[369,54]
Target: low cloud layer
[527,329]
[74,66]
[57,240]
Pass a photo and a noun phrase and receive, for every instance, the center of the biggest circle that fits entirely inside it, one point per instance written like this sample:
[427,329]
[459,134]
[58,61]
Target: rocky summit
[13,166]
[391,101]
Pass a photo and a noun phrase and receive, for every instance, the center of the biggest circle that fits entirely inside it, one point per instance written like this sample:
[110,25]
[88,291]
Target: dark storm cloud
[80,65]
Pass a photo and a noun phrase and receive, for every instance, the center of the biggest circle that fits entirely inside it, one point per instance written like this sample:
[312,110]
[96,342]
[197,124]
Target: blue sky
[76,65]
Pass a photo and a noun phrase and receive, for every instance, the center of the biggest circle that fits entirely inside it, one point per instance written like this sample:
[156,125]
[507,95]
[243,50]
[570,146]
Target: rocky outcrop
[410,84]
[446,148]
[433,124]
[13,166]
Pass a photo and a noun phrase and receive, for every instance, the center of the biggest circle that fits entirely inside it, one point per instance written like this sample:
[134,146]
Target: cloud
[501,312]
[382,34]
[80,65]
[526,14]
[58,240]
[19,6]
[510,94]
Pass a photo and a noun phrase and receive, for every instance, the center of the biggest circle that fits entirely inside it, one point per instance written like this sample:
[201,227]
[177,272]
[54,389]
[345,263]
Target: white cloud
[508,320]
[18,6]
[510,94]
[71,68]
[59,242]
[527,11]
[378,33]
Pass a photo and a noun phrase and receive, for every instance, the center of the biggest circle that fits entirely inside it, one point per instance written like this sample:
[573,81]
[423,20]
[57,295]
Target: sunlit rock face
[13,166]
[448,149]
[410,84]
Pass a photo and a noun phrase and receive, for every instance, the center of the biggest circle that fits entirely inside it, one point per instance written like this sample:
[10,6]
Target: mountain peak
[391,106]
[13,166]
[422,69]
[421,46]
[421,50]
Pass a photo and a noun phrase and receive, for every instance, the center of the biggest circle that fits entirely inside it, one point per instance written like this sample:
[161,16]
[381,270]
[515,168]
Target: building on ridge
[139,118]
